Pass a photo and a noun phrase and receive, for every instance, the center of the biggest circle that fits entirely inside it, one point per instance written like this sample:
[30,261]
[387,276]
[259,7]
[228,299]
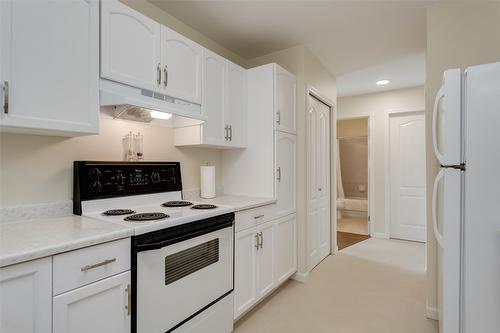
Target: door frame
[387,142]
[312,91]
[371,170]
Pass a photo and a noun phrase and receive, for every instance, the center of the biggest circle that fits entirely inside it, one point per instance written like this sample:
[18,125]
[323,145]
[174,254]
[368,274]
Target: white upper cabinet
[26,297]
[182,61]
[214,129]
[130,47]
[235,113]
[286,87]
[49,73]
[224,103]
[286,147]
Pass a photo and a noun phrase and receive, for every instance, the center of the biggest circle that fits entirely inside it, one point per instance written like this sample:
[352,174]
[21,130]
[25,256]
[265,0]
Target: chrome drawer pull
[128,307]
[103,263]
[258,216]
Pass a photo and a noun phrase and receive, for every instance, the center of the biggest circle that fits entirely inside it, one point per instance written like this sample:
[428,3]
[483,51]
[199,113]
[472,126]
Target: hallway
[373,286]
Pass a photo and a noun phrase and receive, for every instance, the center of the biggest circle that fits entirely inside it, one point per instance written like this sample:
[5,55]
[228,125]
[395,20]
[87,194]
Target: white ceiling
[358,41]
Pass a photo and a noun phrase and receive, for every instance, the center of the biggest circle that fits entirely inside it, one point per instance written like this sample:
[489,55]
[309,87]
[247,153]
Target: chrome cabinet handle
[257,244]
[278,117]
[261,239]
[278,178]
[226,137]
[158,74]
[128,307]
[230,132]
[258,216]
[165,71]
[5,96]
[102,263]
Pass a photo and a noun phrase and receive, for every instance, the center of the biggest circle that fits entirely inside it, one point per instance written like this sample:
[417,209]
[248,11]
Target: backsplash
[39,169]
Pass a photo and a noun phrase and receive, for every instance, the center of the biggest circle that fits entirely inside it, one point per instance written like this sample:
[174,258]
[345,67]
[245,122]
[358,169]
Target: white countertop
[32,239]
[238,202]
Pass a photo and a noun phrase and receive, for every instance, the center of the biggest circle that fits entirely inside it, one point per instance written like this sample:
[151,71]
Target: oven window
[185,262]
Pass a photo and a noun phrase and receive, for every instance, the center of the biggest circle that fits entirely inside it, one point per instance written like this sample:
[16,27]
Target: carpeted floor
[376,286]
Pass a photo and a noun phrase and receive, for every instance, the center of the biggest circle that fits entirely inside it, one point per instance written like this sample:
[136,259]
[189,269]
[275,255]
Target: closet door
[130,46]
[285,173]
[182,65]
[318,181]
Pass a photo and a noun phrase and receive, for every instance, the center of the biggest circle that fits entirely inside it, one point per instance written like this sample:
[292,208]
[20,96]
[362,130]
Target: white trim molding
[431,312]
[381,235]
[302,277]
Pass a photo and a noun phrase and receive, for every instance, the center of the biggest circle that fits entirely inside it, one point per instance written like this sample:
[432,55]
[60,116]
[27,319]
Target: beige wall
[352,128]
[376,106]
[458,35]
[310,72]
[37,169]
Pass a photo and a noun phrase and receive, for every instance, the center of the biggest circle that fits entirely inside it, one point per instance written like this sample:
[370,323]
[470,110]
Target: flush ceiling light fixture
[382,82]
[160,115]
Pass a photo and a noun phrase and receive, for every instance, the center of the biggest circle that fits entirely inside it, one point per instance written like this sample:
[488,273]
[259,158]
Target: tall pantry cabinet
[266,242]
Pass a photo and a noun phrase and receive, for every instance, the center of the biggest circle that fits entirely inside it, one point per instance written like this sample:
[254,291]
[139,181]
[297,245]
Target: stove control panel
[97,180]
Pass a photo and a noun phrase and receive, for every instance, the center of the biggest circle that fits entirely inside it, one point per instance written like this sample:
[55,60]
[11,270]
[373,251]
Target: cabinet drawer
[80,267]
[251,217]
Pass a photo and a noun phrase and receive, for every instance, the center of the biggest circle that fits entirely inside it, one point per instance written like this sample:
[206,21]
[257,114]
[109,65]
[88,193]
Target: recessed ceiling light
[160,115]
[382,82]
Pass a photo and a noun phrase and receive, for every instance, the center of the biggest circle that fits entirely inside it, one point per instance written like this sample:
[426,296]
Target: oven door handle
[152,246]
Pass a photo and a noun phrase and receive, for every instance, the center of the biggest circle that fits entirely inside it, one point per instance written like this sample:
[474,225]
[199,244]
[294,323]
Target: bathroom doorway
[352,181]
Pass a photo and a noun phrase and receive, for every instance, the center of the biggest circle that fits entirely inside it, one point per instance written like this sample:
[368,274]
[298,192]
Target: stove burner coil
[204,206]
[115,212]
[176,204]
[144,217]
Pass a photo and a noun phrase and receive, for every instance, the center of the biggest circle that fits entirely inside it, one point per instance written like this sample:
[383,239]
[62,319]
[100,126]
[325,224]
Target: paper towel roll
[207,182]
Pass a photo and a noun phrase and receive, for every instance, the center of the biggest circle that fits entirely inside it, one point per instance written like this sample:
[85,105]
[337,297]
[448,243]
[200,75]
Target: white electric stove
[182,251]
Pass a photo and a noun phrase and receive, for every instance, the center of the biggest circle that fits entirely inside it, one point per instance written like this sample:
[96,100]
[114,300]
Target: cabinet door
[26,297]
[213,99]
[130,46]
[265,259]
[182,61]
[103,306]
[245,271]
[50,66]
[285,173]
[285,247]
[236,105]
[286,86]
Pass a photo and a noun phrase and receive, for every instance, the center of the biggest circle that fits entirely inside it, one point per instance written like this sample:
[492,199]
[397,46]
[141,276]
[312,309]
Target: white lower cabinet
[102,306]
[265,257]
[26,297]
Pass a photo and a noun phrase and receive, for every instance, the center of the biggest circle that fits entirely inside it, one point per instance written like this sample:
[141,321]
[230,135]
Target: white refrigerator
[466,199]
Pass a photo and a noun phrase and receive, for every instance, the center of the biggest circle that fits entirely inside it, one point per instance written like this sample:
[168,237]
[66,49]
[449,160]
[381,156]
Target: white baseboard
[382,235]
[432,313]
[301,277]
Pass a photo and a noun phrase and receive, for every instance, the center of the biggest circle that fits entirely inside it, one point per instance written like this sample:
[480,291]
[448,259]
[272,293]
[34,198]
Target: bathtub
[352,207]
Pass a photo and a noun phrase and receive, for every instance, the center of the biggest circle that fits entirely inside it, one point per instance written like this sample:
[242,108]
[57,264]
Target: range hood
[144,105]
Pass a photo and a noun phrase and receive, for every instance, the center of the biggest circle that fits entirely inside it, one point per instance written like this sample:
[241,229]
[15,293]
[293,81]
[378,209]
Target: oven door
[179,280]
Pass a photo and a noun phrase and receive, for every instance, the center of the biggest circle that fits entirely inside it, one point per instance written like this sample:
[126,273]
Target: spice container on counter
[138,140]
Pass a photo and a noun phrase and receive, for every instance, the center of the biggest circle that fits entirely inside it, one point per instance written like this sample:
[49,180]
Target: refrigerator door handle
[440,94]
[437,235]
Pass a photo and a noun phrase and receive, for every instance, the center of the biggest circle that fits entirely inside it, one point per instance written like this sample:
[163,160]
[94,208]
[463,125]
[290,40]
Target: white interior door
[407,176]
[318,181]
